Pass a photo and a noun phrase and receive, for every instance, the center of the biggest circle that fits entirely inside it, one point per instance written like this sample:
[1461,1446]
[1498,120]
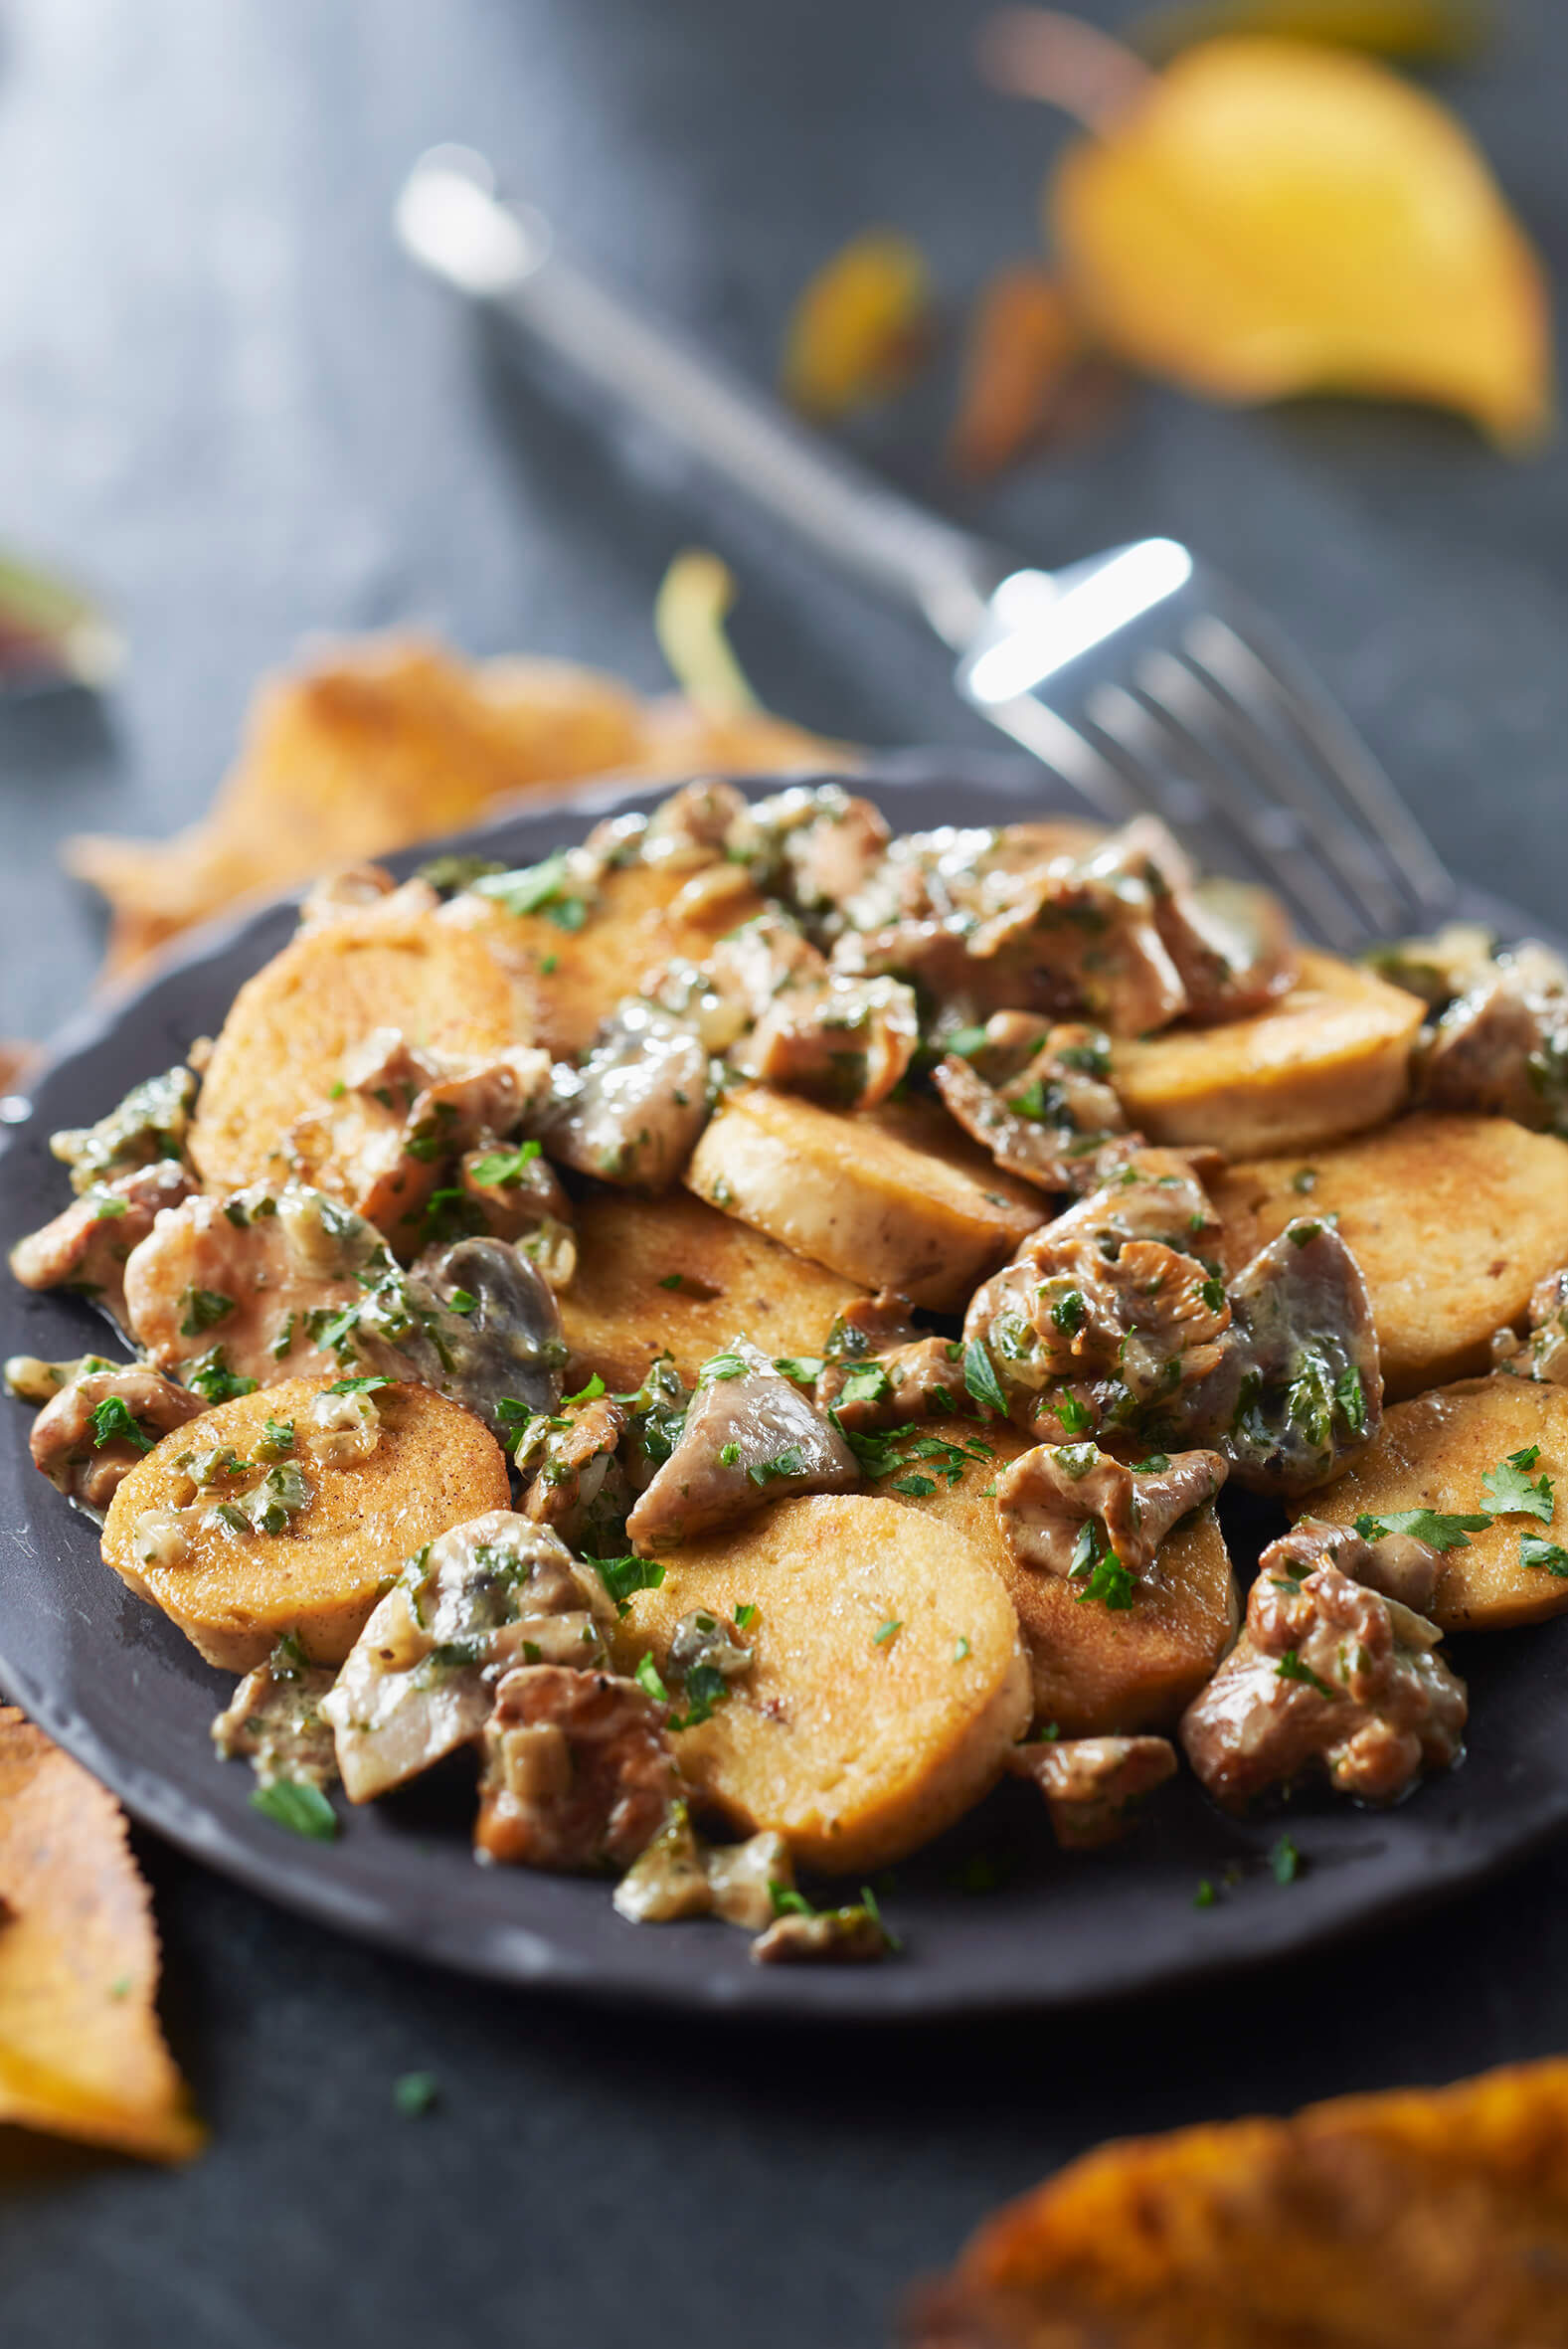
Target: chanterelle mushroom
[749,1438]
[1397,1565]
[1327,1674]
[419,1680]
[87,1246]
[1501,1049]
[1301,1390]
[1092,1787]
[1543,1352]
[579,1485]
[92,1435]
[1054,1121]
[1064,1508]
[579,1771]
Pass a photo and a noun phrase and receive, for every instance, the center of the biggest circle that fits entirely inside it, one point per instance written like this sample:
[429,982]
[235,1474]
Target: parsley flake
[1285,1861]
[112,1423]
[414,2095]
[980,1376]
[1550,1557]
[199,1309]
[1508,1491]
[300,1808]
[885,1632]
[1438,1532]
[1291,1667]
[647,1678]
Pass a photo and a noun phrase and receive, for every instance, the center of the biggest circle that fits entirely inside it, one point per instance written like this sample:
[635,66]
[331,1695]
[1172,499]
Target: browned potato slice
[1453,1221]
[233,1596]
[1328,1058]
[855,1749]
[1432,1454]
[282,1043]
[1096,1673]
[896,1197]
[672,1275]
[644,913]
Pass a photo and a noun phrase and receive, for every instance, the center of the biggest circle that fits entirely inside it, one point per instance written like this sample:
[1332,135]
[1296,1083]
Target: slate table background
[225,400]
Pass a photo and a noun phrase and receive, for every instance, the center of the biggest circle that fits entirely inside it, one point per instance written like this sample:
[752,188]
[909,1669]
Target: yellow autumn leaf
[860,328]
[81,2052]
[1434,31]
[1273,218]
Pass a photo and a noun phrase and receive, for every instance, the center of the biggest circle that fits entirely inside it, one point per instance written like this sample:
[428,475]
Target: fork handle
[506,257]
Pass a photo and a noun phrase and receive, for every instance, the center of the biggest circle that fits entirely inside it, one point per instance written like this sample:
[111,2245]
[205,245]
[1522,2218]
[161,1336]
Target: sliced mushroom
[479,1322]
[1300,1391]
[1501,1049]
[750,1438]
[419,1681]
[580,1488]
[273,1721]
[150,1123]
[633,1113]
[846,1040]
[1396,1564]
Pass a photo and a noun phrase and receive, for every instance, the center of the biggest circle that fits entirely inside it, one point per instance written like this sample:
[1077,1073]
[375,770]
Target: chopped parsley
[1350,1399]
[745,1615]
[538,890]
[723,1365]
[867,1382]
[647,1678]
[199,1309]
[112,1423]
[1212,1292]
[1550,1557]
[301,1808]
[885,1632]
[789,1462]
[705,1687]
[366,1385]
[1438,1532]
[962,1652]
[276,1441]
[1075,1417]
[414,2095]
[499,1170]
[1156,1465]
[622,1576]
[585,1394]
[1285,1861]
[1509,1491]
[672,1279]
[1305,1180]
[1111,1584]
[803,1368]
[462,1301]
[1205,1896]
[1069,1313]
[1291,1667]
[729,1455]
[980,1376]
[211,1377]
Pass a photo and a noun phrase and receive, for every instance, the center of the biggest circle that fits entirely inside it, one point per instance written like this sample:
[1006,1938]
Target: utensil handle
[506,256]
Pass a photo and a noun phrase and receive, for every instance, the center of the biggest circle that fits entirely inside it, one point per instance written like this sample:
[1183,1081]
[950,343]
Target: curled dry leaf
[392,740]
[1025,338]
[1427,32]
[1272,217]
[1384,2222]
[861,329]
[689,613]
[81,2052]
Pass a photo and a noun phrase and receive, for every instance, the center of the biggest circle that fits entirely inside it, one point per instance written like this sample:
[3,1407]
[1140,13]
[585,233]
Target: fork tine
[1255,666]
[1099,782]
[1150,739]
[1204,709]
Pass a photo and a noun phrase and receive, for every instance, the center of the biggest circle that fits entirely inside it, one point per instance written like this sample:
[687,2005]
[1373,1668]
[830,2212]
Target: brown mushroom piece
[921,1381]
[846,1041]
[1054,1122]
[750,1438]
[634,1111]
[253,1274]
[1064,1508]
[273,1721]
[96,1429]
[1543,1352]
[420,1678]
[1231,946]
[1397,1565]
[149,1124]
[1300,1391]
[1327,1675]
[479,1323]
[813,845]
[854,1935]
[87,1246]
[678,1876]
[579,1487]
[1501,1048]
[512,1192]
[579,1771]
[1094,1787]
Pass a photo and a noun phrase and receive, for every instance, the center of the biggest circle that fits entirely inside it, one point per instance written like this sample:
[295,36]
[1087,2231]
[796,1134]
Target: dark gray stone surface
[226,401]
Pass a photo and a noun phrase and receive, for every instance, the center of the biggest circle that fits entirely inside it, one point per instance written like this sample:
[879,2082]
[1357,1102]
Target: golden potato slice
[896,1197]
[233,1596]
[1452,1220]
[1095,1673]
[888,1685]
[283,1045]
[672,1275]
[1432,1453]
[1330,1057]
[569,981]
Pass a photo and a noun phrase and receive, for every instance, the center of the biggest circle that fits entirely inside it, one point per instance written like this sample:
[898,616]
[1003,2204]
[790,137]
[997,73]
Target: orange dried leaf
[1275,218]
[1385,2222]
[1024,338]
[392,740]
[81,2052]
[861,329]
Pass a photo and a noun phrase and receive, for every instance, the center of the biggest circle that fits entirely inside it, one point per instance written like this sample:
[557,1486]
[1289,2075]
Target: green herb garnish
[113,1422]
[301,1808]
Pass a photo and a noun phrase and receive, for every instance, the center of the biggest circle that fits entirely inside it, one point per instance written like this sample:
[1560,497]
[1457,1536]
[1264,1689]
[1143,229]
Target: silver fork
[1140,677]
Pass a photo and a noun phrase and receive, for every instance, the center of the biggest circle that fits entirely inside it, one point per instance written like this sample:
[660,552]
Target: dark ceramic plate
[991,1916]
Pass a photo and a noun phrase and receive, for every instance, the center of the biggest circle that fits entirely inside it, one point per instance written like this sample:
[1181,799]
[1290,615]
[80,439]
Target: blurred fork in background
[1140,677]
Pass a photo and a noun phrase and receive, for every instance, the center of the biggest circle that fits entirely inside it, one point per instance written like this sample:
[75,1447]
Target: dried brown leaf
[81,2052]
[1384,2222]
